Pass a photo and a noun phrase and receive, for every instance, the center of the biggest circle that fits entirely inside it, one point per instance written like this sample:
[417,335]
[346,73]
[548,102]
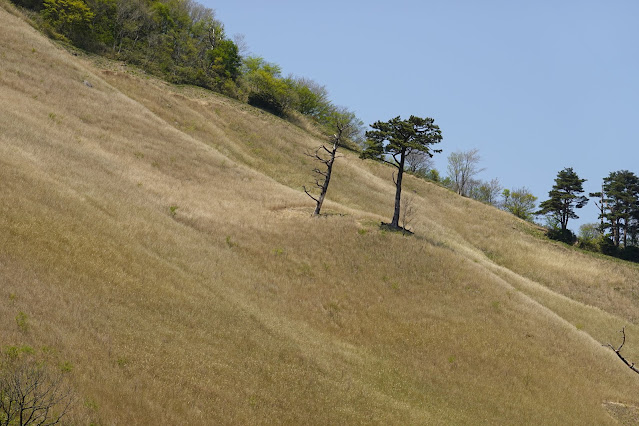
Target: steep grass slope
[158,242]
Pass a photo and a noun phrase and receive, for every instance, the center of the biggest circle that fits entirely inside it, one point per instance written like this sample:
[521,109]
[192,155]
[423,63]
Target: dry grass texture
[158,242]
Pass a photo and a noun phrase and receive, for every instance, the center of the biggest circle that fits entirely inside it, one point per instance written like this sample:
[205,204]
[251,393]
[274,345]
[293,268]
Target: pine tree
[398,138]
[621,191]
[564,198]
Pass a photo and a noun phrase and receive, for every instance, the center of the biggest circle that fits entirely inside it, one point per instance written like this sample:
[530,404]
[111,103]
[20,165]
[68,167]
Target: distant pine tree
[621,212]
[564,198]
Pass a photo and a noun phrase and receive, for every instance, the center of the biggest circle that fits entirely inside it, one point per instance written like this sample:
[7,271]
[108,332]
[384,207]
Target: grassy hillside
[160,246]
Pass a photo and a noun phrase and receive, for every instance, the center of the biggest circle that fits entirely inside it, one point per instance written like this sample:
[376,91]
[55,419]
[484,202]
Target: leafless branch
[309,194]
[315,155]
[618,352]
[29,394]
[319,172]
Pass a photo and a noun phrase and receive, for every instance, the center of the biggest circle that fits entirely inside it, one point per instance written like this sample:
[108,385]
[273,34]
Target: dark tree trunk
[320,200]
[398,189]
[325,174]
[618,352]
[615,231]
[327,180]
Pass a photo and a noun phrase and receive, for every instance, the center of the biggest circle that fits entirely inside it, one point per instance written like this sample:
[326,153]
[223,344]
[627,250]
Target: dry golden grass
[158,240]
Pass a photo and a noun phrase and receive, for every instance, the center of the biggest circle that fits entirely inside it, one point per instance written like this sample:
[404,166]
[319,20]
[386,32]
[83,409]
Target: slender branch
[309,194]
[320,159]
[324,148]
[319,172]
[388,162]
[617,351]
[317,156]
[313,155]
[395,157]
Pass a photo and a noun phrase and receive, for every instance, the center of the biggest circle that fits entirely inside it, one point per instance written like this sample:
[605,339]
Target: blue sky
[535,86]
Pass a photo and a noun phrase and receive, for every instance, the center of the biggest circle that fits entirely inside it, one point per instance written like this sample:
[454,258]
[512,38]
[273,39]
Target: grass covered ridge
[159,246]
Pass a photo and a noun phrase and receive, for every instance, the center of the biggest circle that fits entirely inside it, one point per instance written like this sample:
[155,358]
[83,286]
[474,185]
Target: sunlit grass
[157,240]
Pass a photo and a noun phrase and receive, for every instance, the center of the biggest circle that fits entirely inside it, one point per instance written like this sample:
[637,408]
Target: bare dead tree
[618,352]
[346,125]
[323,181]
[31,395]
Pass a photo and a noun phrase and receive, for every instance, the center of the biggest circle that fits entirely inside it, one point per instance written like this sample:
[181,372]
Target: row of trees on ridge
[617,234]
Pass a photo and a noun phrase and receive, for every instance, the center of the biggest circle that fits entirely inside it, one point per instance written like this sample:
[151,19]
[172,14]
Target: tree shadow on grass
[398,229]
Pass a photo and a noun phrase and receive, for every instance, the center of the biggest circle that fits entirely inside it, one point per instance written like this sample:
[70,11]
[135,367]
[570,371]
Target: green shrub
[266,101]
[630,253]
[71,18]
[563,235]
[608,247]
